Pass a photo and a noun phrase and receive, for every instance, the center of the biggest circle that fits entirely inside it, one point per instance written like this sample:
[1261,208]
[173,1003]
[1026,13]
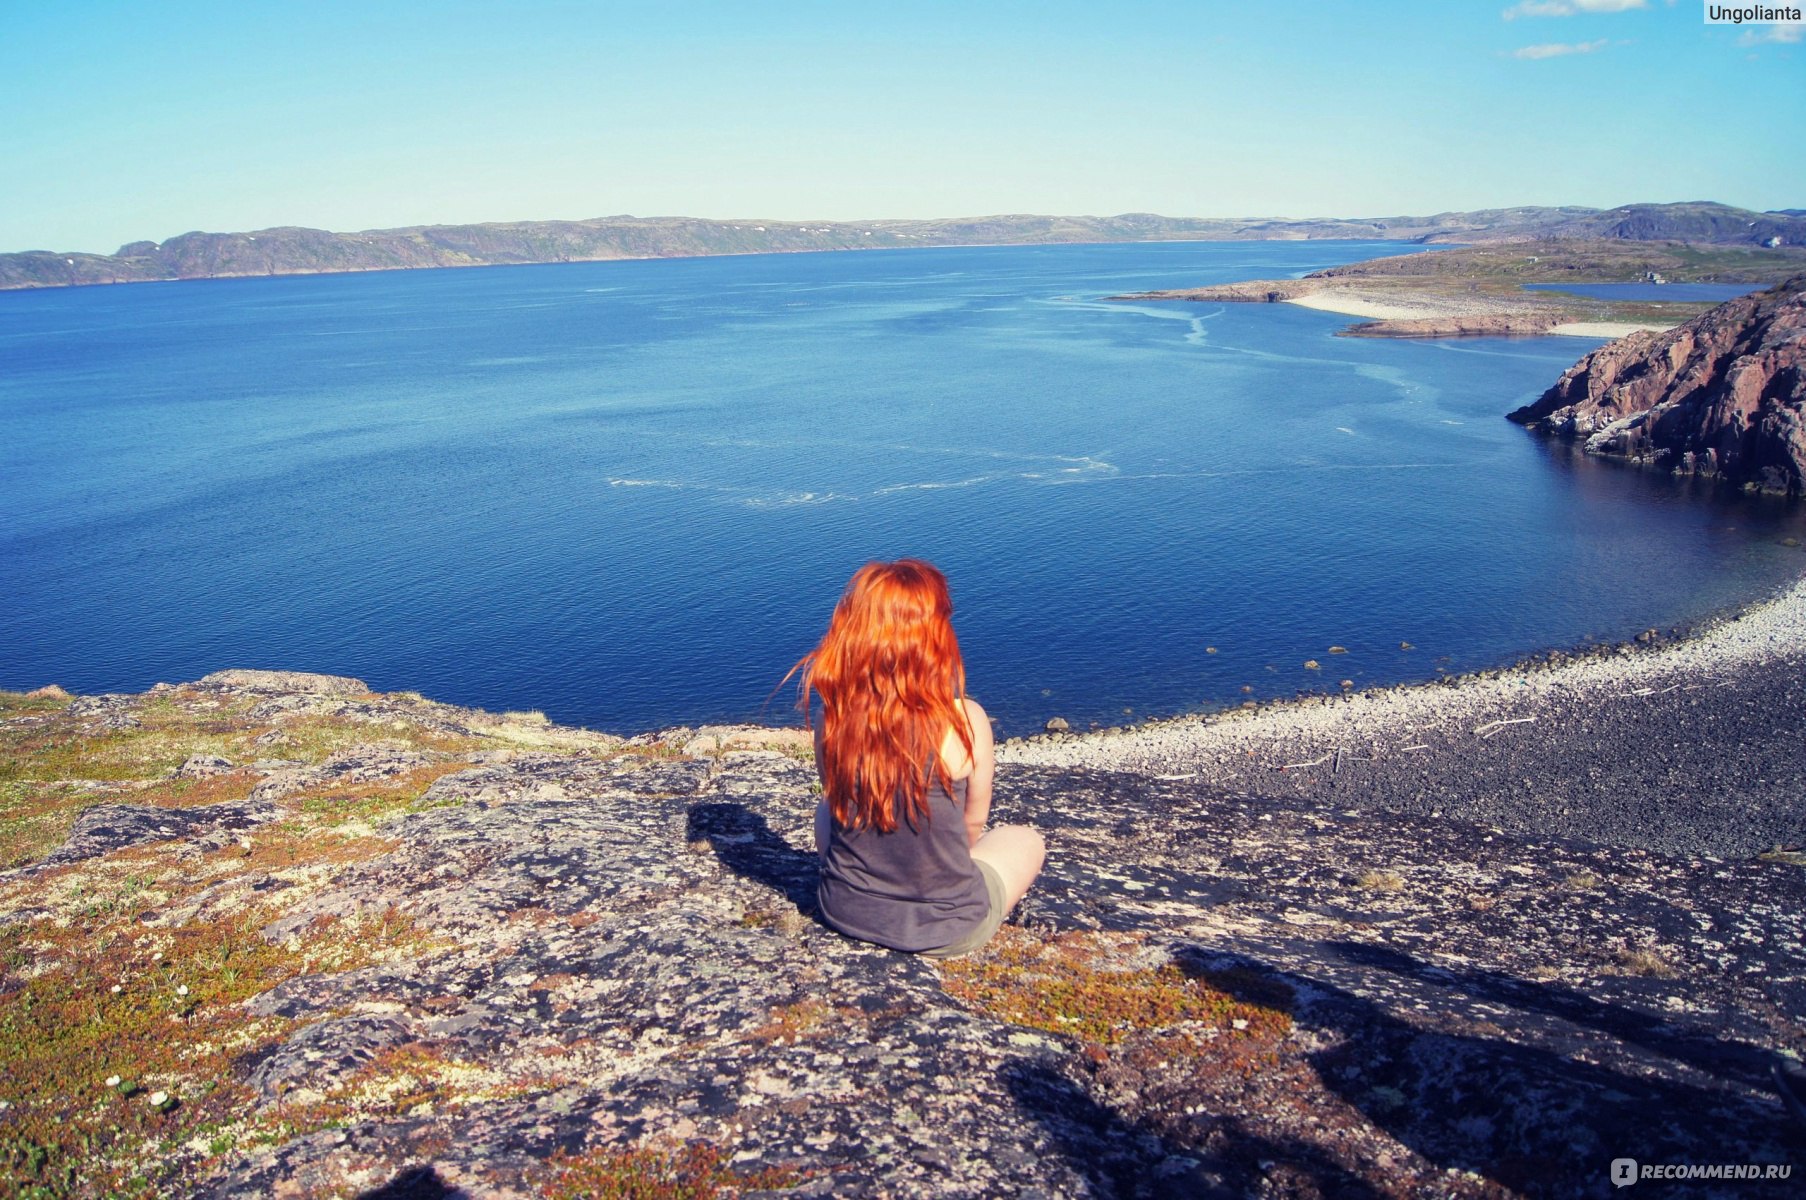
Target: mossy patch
[44,700]
[315,738]
[404,1080]
[35,817]
[805,1019]
[1079,985]
[98,1019]
[697,1171]
[377,801]
[121,975]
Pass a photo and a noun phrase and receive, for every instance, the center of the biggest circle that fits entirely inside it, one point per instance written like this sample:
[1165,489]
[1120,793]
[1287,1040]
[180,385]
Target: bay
[628,493]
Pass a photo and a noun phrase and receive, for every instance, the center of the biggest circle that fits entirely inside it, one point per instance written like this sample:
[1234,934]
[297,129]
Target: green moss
[35,818]
[314,739]
[697,1171]
[1067,985]
[377,801]
[12,703]
[86,999]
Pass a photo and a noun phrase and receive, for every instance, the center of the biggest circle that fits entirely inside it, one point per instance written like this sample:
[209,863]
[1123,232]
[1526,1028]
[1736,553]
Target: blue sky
[143,120]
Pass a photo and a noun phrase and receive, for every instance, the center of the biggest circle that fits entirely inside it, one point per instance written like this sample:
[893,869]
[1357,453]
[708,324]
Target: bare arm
[984,765]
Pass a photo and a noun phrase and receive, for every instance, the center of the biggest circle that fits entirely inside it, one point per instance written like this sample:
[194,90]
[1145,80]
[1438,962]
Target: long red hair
[891,680]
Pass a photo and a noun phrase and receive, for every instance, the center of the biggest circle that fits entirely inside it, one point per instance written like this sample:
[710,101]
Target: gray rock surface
[286,681]
[621,950]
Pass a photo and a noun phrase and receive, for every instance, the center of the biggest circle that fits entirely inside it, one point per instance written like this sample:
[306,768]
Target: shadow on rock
[416,1183]
[1731,1061]
[1130,1161]
[745,844]
[1540,1119]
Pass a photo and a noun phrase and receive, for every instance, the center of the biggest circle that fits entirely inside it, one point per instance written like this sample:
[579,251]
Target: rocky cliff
[273,934]
[1723,395]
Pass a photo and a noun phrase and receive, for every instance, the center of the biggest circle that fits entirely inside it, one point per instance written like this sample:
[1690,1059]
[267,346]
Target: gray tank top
[911,889]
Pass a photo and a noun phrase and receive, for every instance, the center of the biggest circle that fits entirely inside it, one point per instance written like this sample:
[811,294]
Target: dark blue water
[629,493]
[1717,293]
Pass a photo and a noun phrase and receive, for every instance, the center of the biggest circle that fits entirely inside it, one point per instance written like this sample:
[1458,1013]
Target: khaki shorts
[986,928]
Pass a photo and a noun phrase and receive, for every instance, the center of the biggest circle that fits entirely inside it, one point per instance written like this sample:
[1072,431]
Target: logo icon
[1624,1172]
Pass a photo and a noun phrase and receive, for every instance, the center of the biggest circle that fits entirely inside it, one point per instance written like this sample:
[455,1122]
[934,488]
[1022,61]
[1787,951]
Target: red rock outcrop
[1723,395]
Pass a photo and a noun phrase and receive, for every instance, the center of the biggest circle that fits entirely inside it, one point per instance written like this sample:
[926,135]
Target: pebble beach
[1687,747]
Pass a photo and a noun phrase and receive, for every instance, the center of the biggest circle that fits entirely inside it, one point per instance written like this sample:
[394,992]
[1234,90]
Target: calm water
[629,493]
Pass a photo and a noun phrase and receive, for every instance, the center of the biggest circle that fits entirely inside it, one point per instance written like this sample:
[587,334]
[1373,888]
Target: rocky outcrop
[1722,396]
[1253,291]
[1478,325]
[414,958]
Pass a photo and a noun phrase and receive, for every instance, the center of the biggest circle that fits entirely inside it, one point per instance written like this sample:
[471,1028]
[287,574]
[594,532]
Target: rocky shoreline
[1683,745]
[272,933]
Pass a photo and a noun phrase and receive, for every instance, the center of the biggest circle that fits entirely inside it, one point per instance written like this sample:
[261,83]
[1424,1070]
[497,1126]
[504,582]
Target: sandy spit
[1375,305]
[1358,304]
[1604,329]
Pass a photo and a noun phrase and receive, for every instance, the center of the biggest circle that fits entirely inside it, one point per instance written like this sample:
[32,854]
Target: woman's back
[915,888]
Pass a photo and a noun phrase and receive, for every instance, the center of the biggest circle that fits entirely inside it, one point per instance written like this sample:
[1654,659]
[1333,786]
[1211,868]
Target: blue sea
[629,493]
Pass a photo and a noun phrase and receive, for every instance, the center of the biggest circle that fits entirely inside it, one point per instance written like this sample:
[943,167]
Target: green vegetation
[1602,260]
[122,1043]
[117,1044]
[1076,984]
[697,1171]
[121,1039]
[54,764]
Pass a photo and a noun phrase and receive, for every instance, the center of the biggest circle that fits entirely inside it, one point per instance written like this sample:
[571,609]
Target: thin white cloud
[1557,49]
[1784,32]
[1569,8]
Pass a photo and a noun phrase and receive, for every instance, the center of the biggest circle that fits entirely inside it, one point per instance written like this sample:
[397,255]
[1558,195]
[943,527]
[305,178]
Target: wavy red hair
[891,680]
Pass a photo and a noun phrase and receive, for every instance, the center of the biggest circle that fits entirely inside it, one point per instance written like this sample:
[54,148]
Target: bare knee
[1016,853]
[1026,842]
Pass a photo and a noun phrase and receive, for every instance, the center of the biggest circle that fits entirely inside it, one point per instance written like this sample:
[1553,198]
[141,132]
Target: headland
[1480,291]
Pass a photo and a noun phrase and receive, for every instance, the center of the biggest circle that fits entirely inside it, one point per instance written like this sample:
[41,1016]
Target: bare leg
[823,823]
[1016,853]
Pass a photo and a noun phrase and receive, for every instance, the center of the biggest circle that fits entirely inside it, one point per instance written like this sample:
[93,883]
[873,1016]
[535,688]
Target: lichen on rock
[430,962]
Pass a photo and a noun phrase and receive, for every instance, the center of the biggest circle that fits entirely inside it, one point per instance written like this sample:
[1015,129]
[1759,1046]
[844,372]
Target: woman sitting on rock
[905,764]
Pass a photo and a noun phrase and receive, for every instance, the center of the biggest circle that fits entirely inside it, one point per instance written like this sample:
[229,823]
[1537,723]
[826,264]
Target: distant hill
[297,251]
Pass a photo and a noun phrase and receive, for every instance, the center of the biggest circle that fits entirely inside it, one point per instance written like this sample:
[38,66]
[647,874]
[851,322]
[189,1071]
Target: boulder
[287,681]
